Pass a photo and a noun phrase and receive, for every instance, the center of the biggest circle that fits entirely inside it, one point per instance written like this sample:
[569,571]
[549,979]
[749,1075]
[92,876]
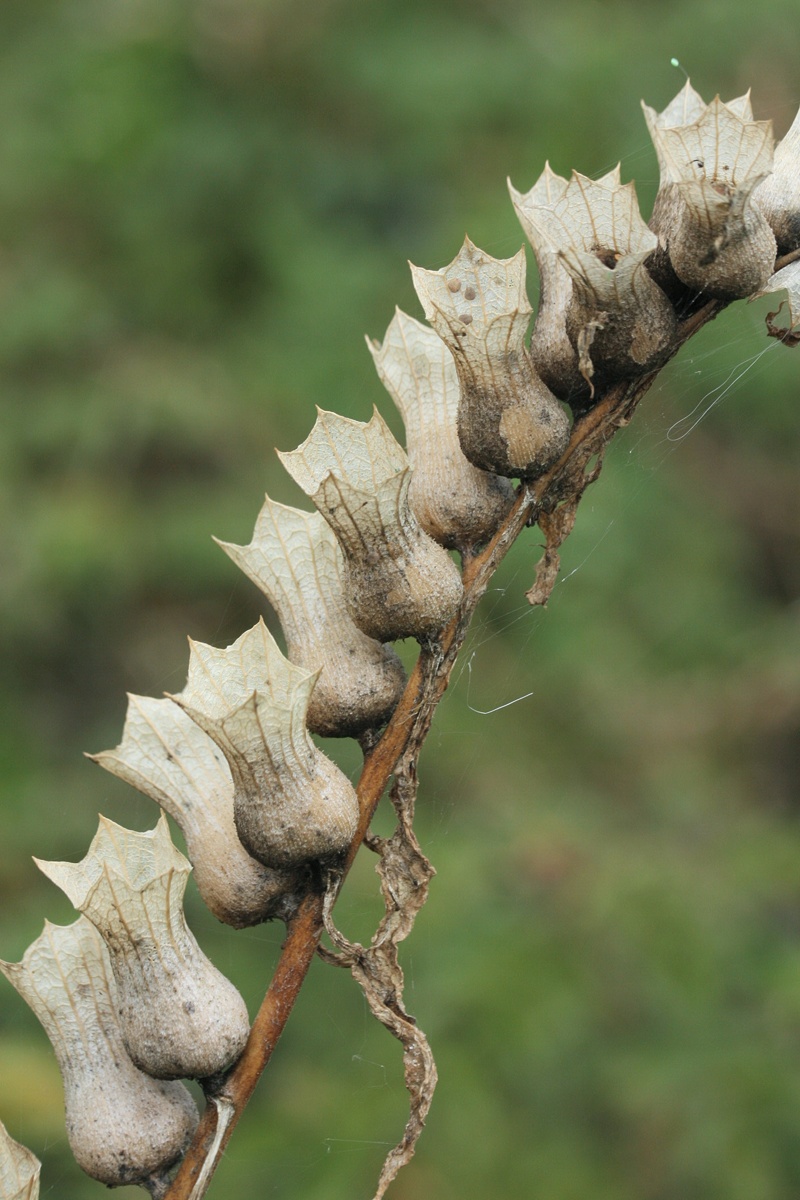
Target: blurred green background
[204,206]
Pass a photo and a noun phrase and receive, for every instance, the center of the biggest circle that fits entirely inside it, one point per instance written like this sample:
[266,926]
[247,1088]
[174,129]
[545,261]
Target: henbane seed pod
[778,196]
[123,1126]
[509,422]
[166,755]
[296,561]
[457,504]
[179,1016]
[712,158]
[400,583]
[19,1169]
[618,320]
[292,805]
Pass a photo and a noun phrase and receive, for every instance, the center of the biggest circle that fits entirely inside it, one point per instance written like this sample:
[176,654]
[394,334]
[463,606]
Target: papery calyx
[292,805]
[712,158]
[166,755]
[509,422]
[123,1126]
[296,561]
[179,1016]
[399,582]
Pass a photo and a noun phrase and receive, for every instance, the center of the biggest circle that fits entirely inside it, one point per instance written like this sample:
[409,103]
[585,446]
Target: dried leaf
[400,583]
[291,803]
[509,422]
[459,505]
[19,1169]
[296,561]
[788,280]
[180,1017]
[405,874]
[123,1127]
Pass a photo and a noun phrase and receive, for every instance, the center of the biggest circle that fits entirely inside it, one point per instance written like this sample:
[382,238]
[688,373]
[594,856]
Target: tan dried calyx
[179,1016]
[778,196]
[123,1126]
[296,561]
[712,158]
[399,582]
[19,1169]
[509,422]
[788,280]
[291,803]
[617,320]
[458,504]
[166,755]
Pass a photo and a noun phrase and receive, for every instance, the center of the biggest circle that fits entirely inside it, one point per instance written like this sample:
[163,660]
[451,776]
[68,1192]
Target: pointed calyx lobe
[295,560]
[604,317]
[778,196]
[509,422]
[19,1169]
[292,805]
[712,159]
[399,583]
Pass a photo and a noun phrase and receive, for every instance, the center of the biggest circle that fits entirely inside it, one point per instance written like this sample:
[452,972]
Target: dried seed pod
[509,422]
[296,561]
[291,803]
[123,1127]
[19,1169]
[552,353]
[778,196]
[167,756]
[618,320]
[712,159]
[459,505]
[400,583]
[179,1016]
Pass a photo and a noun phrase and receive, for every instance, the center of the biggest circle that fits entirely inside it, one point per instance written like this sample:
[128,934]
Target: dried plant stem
[562,485]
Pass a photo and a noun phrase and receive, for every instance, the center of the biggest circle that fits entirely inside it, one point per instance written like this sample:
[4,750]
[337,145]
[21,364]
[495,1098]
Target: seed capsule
[123,1127]
[179,1016]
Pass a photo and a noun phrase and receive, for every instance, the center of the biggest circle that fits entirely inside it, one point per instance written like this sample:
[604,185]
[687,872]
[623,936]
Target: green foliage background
[203,207]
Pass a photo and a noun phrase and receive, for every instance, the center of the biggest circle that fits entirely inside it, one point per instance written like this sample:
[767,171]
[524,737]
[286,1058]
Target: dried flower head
[167,756]
[459,505]
[509,422]
[618,321]
[180,1017]
[400,583]
[296,561]
[778,196]
[123,1127]
[291,803]
[712,158]
[19,1169]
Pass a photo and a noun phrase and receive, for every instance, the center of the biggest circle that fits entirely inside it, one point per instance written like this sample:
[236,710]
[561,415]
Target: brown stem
[404,736]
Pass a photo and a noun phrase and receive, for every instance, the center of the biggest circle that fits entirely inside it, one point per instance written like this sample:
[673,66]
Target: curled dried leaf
[166,755]
[19,1169]
[400,583]
[509,422]
[179,1016]
[291,803]
[458,504]
[296,561]
[123,1126]
[712,159]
